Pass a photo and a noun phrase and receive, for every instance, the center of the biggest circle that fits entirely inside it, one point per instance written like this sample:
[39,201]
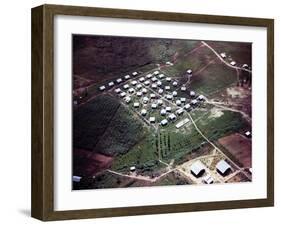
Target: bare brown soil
[240,147]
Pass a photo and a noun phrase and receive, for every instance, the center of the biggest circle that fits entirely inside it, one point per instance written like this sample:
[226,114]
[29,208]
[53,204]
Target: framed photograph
[141,112]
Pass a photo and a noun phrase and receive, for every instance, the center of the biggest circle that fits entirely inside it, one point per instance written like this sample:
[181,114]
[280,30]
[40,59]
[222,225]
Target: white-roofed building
[154,79]
[175,83]
[76,179]
[192,93]
[149,76]
[134,82]
[136,104]
[141,79]
[154,106]
[179,111]
[159,102]
[183,99]
[183,88]
[123,94]
[172,116]
[134,73]
[164,122]
[145,100]
[118,90]
[248,134]
[223,167]
[147,83]
[110,84]
[201,97]
[126,86]
[168,79]
[127,77]
[181,123]
[132,168]
[167,87]
[139,94]
[144,90]
[154,86]
[246,66]
[189,71]
[168,109]
[169,97]
[119,80]
[156,72]
[152,119]
[131,90]
[161,76]
[178,102]
[187,107]
[160,91]
[194,102]
[197,168]
[163,112]
[152,96]
[208,179]
[159,83]
[175,93]
[223,55]
[143,112]
[102,88]
[127,99]
[139,86]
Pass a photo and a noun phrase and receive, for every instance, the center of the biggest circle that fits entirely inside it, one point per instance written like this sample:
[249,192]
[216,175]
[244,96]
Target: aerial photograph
[160,112]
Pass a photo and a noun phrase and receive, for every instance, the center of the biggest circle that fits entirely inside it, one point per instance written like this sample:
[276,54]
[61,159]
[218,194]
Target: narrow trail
[222,60]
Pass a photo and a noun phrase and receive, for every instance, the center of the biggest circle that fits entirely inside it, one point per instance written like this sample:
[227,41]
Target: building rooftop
[197,167]
[222,166]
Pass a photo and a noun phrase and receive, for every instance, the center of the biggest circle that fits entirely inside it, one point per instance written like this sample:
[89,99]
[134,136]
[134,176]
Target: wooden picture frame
[43,108]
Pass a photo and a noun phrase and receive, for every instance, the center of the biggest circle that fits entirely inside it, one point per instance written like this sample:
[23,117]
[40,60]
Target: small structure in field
[181,123]
[183,88]
[160,102]
[152,119]
[194,102]
[175,93]
[139,94]
[119,80]
[156,72]
[248,134]
[179,111]
[163,112]
[169,97]
[183,99]
[132,168]
[139,86]
[152,96]
[136,104]
[134,73]
[126,86]
[110,84]
[76,179]
[143,112]
[159,83]
[102,88]
[208,179]
[118,90]
[144,90]
[164,122]
[201,98]
[192,93]
[233,63]
[127,77]
[246,66]
[223,167]
[197,168]
[189,71]
[175,83]
[223,55]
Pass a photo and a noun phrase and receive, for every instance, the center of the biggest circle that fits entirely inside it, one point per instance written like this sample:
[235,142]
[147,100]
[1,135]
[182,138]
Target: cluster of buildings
[198,169]
[157,92]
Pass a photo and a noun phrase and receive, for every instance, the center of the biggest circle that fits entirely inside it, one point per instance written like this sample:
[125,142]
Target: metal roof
[197,167]
[223,166]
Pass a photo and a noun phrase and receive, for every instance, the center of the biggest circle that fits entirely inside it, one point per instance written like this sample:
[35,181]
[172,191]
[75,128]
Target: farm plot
[240,147]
